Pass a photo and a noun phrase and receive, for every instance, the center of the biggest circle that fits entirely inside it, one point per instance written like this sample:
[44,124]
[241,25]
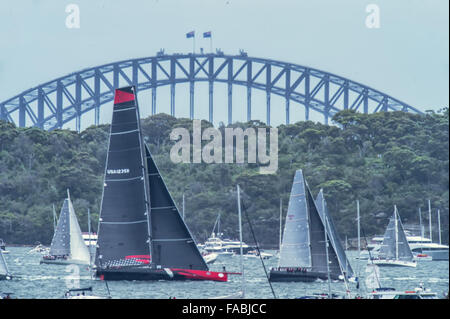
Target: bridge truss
[52,104]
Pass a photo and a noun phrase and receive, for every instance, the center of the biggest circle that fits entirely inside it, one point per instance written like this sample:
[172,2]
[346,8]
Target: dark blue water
[51,281]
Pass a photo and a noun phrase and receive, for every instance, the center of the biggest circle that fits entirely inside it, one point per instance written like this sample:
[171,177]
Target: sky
[406,57]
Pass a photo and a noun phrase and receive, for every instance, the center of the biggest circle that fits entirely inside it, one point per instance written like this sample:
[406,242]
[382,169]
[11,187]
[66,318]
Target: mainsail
[295,250]
[395,245]
[67,239]
[3,267]
[139,222]
[303,242]
[123,234]
[336,244]
[60,245]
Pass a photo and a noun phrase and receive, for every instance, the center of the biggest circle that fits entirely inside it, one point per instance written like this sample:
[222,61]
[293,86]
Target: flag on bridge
[207,34]
[190,34]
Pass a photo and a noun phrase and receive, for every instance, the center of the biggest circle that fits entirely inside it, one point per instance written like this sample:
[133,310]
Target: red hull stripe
[145,259]
[202,274]
[121,97]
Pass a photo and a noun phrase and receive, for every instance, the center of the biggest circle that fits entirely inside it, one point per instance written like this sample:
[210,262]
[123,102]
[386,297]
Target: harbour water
[51,281]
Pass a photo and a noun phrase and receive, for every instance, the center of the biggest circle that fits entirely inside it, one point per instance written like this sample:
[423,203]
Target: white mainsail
[295,248]
[3,267]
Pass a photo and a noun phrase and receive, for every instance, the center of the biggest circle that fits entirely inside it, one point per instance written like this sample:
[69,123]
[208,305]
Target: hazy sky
[407,57]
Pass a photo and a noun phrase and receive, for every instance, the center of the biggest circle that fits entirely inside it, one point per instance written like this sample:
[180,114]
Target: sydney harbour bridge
[62,100]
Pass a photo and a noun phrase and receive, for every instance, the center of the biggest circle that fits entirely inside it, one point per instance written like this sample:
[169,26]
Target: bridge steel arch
[54,103]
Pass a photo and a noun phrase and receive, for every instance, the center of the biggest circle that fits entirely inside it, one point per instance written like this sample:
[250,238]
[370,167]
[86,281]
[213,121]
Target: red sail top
[123,96]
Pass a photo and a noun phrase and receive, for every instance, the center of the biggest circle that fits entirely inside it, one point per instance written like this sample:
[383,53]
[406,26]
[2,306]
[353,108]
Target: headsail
[172,243]
[395,245]
[123,234]
[78,249]
[333,234]
[372,277]
[318,247]
[60,245]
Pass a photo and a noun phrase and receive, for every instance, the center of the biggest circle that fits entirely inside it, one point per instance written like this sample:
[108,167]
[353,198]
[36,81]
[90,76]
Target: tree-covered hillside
[381,159]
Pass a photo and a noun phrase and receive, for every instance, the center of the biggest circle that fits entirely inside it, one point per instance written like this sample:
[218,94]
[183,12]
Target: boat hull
[160,274]
[63,262]
[393,263]
[438,254]
[298,276]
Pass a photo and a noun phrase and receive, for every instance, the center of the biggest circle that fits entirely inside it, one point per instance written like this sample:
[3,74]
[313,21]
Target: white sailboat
[303,250]
[395,250]
[4,272]
[67,246]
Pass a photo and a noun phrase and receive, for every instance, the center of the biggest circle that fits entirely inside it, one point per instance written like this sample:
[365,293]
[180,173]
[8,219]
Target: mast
[54,218]
[89,232]
[240,239]
[429,220]
[359,228]
[144,175]
[420,223]
[326,251]
[396,231]
[281,212]
[183,206]
[421,228]
[439,225]
[218,225]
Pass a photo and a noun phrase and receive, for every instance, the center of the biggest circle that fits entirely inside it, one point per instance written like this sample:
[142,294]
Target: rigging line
[370,256]
[100,262]
[257,247]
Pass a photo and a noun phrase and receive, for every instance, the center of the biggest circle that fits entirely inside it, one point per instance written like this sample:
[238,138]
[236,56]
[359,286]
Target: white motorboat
[210,258]
[391,293]
[223,246]
[255,254]
[82,293]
